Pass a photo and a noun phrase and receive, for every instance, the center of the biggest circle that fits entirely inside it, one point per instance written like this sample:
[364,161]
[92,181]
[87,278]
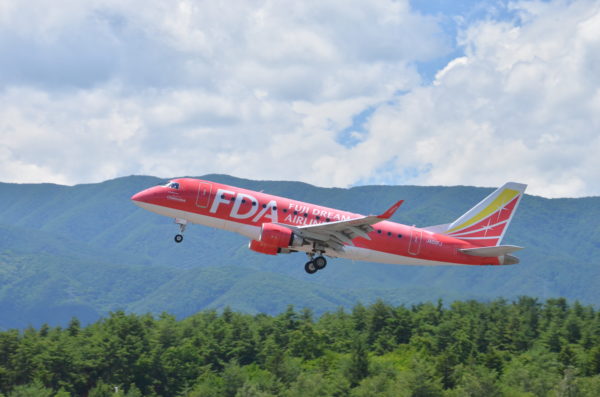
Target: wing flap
[359,232]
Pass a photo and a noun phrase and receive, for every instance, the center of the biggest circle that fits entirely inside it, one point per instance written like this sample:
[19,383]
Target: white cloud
[263,89]
[521,105]
[259,89]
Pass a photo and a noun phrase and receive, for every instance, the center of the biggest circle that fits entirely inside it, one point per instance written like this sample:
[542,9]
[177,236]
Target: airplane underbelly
[364,254]
[252,232]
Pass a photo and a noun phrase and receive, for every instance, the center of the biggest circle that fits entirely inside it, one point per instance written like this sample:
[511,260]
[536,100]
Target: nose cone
[137,197]
[142,197]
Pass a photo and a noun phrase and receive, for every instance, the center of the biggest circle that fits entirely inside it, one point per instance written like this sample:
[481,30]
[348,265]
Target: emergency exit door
[204,194]
[415,242]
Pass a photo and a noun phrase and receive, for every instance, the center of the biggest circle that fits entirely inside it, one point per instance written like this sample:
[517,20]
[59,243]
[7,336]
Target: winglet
[388,214]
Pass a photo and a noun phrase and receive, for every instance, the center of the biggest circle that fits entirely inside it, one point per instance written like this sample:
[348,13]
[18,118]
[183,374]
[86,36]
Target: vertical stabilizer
[485,224]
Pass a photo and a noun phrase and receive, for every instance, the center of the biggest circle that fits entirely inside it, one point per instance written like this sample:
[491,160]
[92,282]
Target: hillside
[85,250]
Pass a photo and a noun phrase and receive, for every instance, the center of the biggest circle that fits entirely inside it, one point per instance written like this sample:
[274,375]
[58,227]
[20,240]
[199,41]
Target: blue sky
[334,93]
[455,16]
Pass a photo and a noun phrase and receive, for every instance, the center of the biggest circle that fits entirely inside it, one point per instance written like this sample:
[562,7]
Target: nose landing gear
[315,264]
[182,224]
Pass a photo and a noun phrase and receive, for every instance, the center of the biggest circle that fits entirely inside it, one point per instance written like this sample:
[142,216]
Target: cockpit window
[172,185]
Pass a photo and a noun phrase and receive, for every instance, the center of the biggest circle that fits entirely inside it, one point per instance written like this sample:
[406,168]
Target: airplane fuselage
[245,212]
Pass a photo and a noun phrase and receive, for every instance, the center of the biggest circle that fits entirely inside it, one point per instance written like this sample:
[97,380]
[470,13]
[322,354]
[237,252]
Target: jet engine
[263,248]
[274,239]
[279,236]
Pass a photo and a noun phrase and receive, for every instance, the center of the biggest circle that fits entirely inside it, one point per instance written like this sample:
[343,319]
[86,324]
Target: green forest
[499,348]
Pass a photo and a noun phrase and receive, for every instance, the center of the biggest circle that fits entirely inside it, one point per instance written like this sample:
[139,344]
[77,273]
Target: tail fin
[485,224]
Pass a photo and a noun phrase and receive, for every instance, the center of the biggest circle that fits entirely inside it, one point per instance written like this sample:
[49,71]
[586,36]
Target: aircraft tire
[178,238]
[310,267]
[320,262]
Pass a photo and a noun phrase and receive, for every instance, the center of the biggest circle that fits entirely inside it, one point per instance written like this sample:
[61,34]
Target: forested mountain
[524,348]
[85,250]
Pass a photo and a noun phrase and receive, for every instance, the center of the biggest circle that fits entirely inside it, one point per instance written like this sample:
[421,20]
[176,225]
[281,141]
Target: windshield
[172,185]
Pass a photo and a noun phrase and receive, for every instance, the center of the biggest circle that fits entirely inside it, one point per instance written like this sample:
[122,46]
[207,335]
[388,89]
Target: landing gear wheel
[182,224]
[310,267]
[320,262]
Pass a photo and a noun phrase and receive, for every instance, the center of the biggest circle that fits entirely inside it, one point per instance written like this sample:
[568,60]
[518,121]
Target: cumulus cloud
[264,89]
[99,89]
[522,104]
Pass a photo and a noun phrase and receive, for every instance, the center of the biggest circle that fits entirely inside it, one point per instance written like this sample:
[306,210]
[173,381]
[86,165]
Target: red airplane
[277,225]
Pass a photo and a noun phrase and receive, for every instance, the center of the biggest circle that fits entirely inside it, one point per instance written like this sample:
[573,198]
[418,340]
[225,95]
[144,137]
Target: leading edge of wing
[356,222]
[336,234]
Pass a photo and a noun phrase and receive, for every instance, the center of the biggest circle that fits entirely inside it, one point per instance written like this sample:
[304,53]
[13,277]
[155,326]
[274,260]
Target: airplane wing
[336,234]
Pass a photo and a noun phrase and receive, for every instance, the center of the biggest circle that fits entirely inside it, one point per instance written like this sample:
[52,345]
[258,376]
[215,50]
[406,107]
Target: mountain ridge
[70,233]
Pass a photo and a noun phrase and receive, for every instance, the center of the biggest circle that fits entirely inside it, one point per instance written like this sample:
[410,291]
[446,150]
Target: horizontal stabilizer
[438,228]
[491,251]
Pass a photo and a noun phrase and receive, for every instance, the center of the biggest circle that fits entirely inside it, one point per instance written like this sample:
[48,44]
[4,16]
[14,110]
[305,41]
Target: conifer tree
[358,367]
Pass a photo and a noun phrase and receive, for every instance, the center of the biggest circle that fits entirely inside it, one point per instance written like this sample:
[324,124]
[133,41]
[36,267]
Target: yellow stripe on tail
[485,224]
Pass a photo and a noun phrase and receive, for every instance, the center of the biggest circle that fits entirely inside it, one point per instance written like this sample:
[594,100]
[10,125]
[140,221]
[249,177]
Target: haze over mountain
[85,250]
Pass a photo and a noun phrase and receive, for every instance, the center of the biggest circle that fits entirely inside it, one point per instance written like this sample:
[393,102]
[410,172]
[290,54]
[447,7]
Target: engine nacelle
[259,246]
[279,236]
[275,239]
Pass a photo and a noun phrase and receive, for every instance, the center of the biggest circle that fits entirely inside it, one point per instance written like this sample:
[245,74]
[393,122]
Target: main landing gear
[182,224]
[315,264]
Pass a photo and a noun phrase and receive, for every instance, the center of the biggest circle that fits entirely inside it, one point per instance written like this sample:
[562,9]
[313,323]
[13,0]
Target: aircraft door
[204,191]
[414,246]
